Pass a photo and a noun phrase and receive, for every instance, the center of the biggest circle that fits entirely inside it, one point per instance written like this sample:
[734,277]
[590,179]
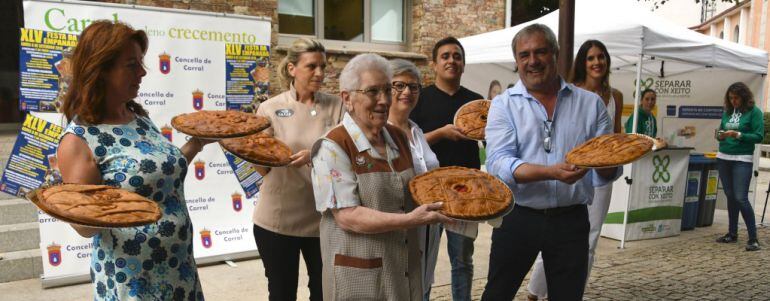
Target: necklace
[601,91]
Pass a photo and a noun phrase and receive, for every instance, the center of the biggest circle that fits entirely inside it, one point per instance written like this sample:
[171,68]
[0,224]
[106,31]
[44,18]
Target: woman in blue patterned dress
[110,140]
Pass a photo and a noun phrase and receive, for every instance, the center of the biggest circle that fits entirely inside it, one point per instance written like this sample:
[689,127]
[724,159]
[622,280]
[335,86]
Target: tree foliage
[527,10]
[657,3]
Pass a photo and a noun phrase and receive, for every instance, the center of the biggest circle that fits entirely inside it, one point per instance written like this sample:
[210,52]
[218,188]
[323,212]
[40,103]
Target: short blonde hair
[300,46]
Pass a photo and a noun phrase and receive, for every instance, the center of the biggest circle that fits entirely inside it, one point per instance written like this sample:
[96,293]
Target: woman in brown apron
[369,242]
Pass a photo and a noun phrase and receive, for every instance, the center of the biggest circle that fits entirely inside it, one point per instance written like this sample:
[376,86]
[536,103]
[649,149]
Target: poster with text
[33,157]
[186,72]
[45,68]
[247,175]
[654,202]
[247,76]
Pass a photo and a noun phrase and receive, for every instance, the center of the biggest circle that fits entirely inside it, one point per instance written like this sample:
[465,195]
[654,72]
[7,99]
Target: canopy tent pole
[757,158]
[635,115]
[566,36]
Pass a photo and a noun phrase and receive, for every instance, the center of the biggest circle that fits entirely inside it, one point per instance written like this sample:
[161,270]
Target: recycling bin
[707,198]
[692,191]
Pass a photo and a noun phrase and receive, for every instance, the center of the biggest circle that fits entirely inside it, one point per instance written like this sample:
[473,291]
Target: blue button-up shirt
[515,133]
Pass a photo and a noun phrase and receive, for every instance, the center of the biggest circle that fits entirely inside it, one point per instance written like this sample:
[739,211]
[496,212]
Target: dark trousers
[561,237]
[280,255]
[736,178]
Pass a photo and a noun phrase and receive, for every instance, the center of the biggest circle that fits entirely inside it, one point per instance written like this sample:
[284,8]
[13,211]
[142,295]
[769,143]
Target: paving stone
[693,269]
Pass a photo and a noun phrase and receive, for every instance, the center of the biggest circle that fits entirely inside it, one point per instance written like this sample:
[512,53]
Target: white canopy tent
[628,30]
[632,34]
[690,71]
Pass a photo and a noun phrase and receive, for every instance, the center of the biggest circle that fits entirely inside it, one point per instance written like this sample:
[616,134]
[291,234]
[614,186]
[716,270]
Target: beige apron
[383,266]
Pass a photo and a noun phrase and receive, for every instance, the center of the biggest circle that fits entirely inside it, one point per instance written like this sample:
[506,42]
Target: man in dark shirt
[434,113]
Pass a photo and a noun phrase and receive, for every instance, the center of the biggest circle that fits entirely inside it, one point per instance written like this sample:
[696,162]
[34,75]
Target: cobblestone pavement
[696,268]
[690,266]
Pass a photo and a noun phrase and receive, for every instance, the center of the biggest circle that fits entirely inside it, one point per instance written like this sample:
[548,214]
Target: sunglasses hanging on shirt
[548,129]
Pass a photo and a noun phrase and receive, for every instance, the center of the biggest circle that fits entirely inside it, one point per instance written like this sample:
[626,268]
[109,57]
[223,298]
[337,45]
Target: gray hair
[401,66]
[300,46]
[550,37]
[367,62]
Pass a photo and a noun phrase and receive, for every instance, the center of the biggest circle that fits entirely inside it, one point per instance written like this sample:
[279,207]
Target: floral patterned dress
[153,262]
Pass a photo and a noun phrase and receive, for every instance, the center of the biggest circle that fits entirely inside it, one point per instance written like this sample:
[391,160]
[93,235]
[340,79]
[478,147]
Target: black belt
[549,211]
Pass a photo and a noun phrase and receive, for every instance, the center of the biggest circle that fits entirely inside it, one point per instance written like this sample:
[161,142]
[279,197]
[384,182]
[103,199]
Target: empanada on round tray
[471,118]
[95,205]
[467,193]
[612,150]
[219,124]
[261,149]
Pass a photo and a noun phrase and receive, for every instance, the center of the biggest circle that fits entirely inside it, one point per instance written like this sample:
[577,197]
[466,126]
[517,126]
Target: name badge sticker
[284,113]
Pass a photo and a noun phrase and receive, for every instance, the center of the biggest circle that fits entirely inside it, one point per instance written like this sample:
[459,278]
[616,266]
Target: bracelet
[198,144]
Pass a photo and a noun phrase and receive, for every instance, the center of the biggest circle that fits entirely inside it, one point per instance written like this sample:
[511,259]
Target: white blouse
[423,158]
[335,183]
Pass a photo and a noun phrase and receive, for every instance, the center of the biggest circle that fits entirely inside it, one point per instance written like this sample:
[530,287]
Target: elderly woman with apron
[361,170]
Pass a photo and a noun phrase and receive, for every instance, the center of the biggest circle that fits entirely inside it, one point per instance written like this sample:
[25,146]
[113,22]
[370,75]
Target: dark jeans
[736,177]
[563,240]
[460,250]
[280,255]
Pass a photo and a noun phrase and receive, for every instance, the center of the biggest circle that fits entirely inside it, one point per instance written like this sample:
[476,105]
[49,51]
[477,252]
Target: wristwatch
[738,136]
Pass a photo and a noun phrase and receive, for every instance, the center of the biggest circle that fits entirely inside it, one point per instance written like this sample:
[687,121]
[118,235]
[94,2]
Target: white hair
[367,62]
[550,37]
[402,66]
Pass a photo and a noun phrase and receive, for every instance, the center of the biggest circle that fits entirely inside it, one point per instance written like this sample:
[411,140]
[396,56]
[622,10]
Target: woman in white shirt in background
[406,91]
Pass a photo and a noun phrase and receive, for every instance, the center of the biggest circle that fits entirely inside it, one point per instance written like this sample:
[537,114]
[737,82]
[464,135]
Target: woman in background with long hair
[741,128]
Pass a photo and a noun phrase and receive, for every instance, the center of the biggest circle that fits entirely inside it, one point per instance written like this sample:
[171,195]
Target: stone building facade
[430,20]
[744,23]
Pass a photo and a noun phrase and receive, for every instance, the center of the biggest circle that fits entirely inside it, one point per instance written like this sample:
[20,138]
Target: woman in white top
[590,71]
[406,91]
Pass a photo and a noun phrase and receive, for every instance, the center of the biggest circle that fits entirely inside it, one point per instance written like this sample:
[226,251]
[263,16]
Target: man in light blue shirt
[530,128]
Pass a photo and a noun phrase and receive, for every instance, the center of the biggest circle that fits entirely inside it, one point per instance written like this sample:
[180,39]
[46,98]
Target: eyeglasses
[548,128]
[401,86]
[373,92]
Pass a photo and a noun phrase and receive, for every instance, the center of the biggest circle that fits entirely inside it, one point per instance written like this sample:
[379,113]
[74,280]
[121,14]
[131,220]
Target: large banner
[655,203]
[689,105]
[187,71]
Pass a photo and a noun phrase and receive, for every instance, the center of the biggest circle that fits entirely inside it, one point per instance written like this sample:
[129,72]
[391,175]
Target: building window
[344,20]
[736,33]
[722,34]
[378,24]
[387,20]
[296,17]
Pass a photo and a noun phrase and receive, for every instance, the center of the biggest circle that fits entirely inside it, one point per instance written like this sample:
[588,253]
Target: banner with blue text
[187,71]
